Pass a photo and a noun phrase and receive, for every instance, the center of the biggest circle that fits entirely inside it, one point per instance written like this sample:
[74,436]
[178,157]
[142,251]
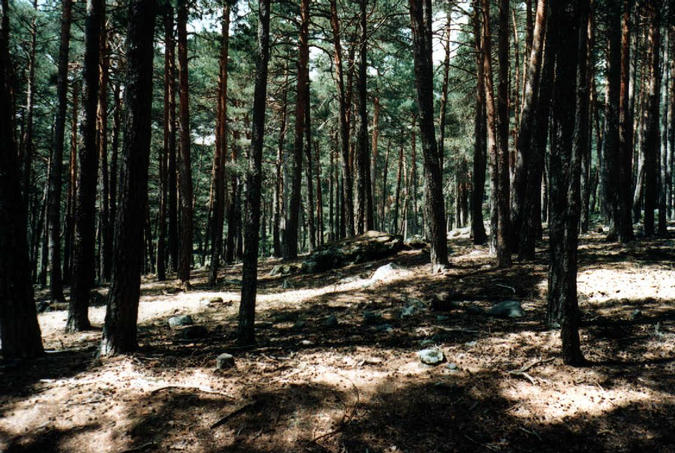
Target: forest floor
[359,386]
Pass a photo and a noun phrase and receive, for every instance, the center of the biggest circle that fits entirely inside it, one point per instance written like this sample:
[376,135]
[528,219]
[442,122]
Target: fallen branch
[507,287]
[234,413]
[523,371]
[187,387]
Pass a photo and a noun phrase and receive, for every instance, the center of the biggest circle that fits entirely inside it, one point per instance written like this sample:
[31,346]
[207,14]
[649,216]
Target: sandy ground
[359,386]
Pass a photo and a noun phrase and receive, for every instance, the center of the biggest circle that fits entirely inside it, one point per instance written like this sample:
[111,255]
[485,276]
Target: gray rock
[442,318]
[216,300]
[408,311]
[193,332]
[431,356]
[224,361]
[384,272]
[283,269]
[416,242]
[179,321]
[636,314]
[507,309]
[299,324]
[426,342]
[452,366]
[330,321]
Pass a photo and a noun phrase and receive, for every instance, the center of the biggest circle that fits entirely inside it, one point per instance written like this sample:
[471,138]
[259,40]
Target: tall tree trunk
[246,334]
[586,182]
[19,329]
[363,188]
[184,161]
[119,330]
[480,142]
[291,239]
[221,151]
[526,129]
[421,24]
[530,229]
[279,183]
[27,145]
[170,135]
[498,242]
[623,223]
[72,189]
[309,171]
[375,137]
[319,196]
[397,197]
[444,89]
[503,182]
[56,162]
[85,206]
[652,140]
[569,45]
[343,120]
[612,148]
[106,223]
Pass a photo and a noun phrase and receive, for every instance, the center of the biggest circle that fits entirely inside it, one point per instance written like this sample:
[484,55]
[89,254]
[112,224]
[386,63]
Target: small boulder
[408,311]
[635,314]
[193,332]
[330,321]
[384,328]
[431,356]
[224,361]
[452,366]
[507,309]
[384,272]
[179,321]
[416,242]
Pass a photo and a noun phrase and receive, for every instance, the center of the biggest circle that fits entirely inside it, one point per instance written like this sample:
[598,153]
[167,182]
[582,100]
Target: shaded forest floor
[359,386]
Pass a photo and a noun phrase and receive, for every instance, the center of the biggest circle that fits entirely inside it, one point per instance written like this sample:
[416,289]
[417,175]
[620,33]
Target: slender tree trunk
[385,192]
[27,145]
[503,183]
[498,243]
[119,330]
[246,334]
[72,190]
[106,223]
[612,142]
[291,239]
[279,184]
[363,188]
[170,136]
[530,229]
[421,24]
[85,207]
[184,161]
[652,140]
[444,90]
[56,162]
[375,136]
[569,45]
[480,142]
[309,172]
[397,197]
[221,151]
[586,182]
[19,328]
[319,197]
[347,224]
[525,140]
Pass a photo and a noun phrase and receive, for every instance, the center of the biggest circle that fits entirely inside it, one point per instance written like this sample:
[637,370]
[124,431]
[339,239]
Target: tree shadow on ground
[43,440]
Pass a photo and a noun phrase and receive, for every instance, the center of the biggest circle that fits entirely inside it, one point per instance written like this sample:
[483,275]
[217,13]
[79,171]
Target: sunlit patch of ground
[310,386]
